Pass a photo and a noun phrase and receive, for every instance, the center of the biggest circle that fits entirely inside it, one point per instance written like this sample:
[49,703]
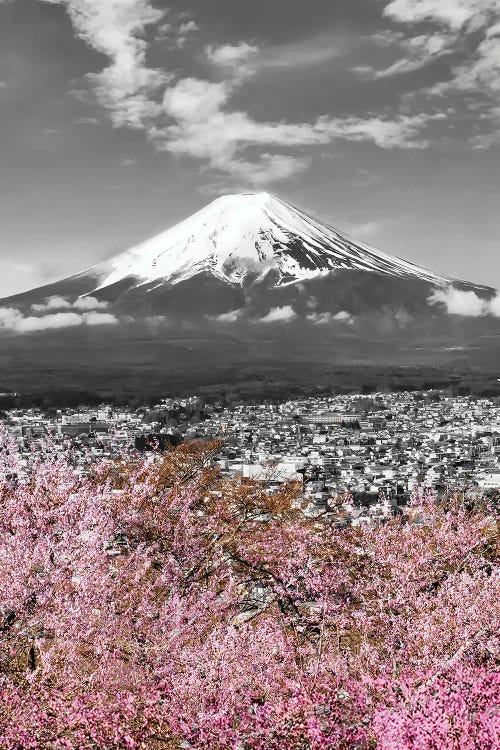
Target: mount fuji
[238,234]
[252,278]
[234,237]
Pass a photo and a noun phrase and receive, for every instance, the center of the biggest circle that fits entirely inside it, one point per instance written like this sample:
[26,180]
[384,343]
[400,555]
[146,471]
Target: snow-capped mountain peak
[250,232]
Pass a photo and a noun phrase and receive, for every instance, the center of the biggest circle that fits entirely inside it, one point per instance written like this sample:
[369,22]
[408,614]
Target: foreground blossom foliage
[155,604]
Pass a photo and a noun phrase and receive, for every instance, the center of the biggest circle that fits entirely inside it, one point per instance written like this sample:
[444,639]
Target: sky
[119,118]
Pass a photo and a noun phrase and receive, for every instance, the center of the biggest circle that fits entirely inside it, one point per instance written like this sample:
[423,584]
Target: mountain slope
[249,252]
[235,240]
[237,234]
[248,280]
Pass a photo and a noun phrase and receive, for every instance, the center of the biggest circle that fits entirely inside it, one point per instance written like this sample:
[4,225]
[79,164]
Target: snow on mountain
[250,233]
[248,283]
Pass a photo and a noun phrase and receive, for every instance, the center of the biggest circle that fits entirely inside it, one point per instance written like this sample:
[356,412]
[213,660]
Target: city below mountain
[248,281]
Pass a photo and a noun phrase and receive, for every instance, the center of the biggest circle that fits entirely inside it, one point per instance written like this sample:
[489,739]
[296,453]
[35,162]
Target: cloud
[452,13]
[305,53]
[419,51]
[343,316]
[193,100]
[183,32]
[192,117]
[14,321]
[126,86]
[471,28]
[483,73]
[236,60]
[279,315]
[268,168]
[494,306]
[52,303]
[327,318]
[61,303]
[402,132]
[458,302]
[199,109]
[90,303]
[196,135]
[229,317]
[176,32]
[243,59]
[99,319]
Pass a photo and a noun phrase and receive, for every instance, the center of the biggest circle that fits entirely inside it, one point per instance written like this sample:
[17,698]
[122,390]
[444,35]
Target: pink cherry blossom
[155,604]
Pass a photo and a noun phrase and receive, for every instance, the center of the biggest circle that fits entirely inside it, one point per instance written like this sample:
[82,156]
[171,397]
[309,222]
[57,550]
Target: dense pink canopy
[156,605]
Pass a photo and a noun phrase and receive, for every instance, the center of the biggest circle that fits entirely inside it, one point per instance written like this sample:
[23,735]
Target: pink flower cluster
[156,605]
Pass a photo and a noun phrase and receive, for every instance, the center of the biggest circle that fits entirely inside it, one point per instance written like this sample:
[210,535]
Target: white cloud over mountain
[279,315]
[115,28]
[192,116]
[419,52]
[61,303]
[230,317]
[469,29]
[237,60]
[244,59]
[459,302]
[454,14]
[15,321]
[204,128]
[57,312]
[327,318]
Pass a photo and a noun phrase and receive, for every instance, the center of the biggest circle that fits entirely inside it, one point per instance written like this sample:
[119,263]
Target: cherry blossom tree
[156,604]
